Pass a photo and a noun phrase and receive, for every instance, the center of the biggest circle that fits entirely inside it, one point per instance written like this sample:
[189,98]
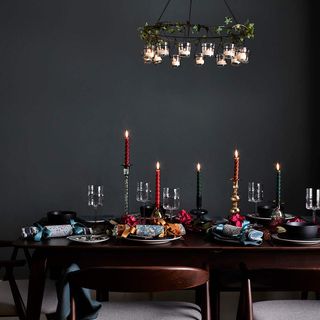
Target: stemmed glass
[171,200]
[311,205]
[255,194]
[143,195]
[95,198]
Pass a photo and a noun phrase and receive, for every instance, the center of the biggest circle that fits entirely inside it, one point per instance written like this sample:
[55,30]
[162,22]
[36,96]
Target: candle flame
[278,166]
[126,133]
[236,154]
[158,165]
[198,167]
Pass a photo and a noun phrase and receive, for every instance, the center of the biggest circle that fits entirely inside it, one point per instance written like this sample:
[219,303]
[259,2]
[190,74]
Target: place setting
[161,220]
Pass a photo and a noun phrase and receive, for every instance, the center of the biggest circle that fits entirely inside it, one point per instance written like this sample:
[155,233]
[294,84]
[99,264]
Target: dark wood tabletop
[191,241]
[191,250]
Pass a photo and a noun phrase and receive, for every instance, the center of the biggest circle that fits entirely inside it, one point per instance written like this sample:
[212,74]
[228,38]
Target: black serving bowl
[265,211]
[148,209]
[301,230]
[60,217]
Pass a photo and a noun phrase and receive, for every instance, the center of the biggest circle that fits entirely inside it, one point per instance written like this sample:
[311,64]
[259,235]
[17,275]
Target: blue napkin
[87,308]
[245,235]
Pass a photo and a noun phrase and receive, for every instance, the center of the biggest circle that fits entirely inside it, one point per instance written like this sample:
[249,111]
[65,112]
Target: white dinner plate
[152,241]
[252,216]
[294,241]
[89,238]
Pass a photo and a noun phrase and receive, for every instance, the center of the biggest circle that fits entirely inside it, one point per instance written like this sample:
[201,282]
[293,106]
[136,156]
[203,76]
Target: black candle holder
[200,215]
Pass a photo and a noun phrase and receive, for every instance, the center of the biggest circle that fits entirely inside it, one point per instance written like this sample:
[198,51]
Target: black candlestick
[199,195]
[199,213]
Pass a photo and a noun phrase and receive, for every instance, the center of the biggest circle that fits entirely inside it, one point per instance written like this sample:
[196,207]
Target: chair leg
[19,304]
[73,310]
[245,308]
[207,304]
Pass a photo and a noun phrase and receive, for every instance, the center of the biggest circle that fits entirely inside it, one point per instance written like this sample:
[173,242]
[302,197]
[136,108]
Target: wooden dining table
[194,249]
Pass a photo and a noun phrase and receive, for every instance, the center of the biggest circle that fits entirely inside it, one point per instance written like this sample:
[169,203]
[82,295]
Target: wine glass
[255,194]
[143,195]
[171,200]
[95,198]
[313,205]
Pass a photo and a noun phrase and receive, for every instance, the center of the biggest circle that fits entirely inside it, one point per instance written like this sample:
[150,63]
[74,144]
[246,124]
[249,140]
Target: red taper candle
[126,149]
[157,193]
[236,166]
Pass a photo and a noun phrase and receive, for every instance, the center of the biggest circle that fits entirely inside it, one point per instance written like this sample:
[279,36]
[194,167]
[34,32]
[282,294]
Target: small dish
[151,241]
[255,217]
[282,238]
[89,238]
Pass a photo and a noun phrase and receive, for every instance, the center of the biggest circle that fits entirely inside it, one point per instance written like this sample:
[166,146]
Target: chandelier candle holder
[225,41]
[199,212]
[126,171]
[235,198]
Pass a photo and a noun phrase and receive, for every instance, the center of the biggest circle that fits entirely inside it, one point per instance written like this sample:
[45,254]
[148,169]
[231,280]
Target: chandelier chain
[164,10]
[230,11]
[189,18]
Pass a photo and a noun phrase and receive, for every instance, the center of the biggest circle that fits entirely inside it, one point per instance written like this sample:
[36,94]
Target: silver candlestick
[126,171]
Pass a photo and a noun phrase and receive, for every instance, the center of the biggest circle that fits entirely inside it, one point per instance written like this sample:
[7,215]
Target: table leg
[36,285]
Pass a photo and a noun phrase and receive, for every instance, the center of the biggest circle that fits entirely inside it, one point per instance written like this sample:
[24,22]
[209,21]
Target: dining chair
[280,279]
[144,279]
[13,293]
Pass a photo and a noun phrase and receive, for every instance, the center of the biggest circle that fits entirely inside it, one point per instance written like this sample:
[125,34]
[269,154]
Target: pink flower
[237,219]
[184,217]
[296,219]
[129,220]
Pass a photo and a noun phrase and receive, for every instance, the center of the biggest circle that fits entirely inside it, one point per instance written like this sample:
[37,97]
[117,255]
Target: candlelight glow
[278,166]
[236,154]
[126,134]
[158,165]
[198,167]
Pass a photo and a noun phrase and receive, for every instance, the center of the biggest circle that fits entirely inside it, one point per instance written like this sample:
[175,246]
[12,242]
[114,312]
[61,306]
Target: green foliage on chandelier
[237,33]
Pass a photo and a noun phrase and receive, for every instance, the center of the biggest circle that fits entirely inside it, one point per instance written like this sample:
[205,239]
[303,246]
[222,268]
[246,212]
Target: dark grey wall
[72,79]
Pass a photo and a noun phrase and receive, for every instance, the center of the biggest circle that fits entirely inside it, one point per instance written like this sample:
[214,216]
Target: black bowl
[60,217]
[301,230]
[148,209]
[265,211]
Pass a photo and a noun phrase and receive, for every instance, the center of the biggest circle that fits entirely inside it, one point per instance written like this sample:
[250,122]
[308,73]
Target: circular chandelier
[223,43]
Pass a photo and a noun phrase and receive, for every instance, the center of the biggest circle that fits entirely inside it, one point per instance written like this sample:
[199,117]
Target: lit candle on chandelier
[236,166]
[278,185]
[157,193]
[199,194]
[126,149]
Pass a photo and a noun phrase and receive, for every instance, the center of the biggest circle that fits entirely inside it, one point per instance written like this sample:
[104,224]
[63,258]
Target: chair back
[141,279]
[285,279]
[274,279]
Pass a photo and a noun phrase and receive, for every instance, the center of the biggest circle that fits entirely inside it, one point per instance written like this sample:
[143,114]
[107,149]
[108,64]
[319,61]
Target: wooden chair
[9,282]
[144,279]
[286,279]
[13,293]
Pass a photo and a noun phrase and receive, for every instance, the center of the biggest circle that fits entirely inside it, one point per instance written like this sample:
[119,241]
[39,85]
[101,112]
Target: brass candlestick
[235,198]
